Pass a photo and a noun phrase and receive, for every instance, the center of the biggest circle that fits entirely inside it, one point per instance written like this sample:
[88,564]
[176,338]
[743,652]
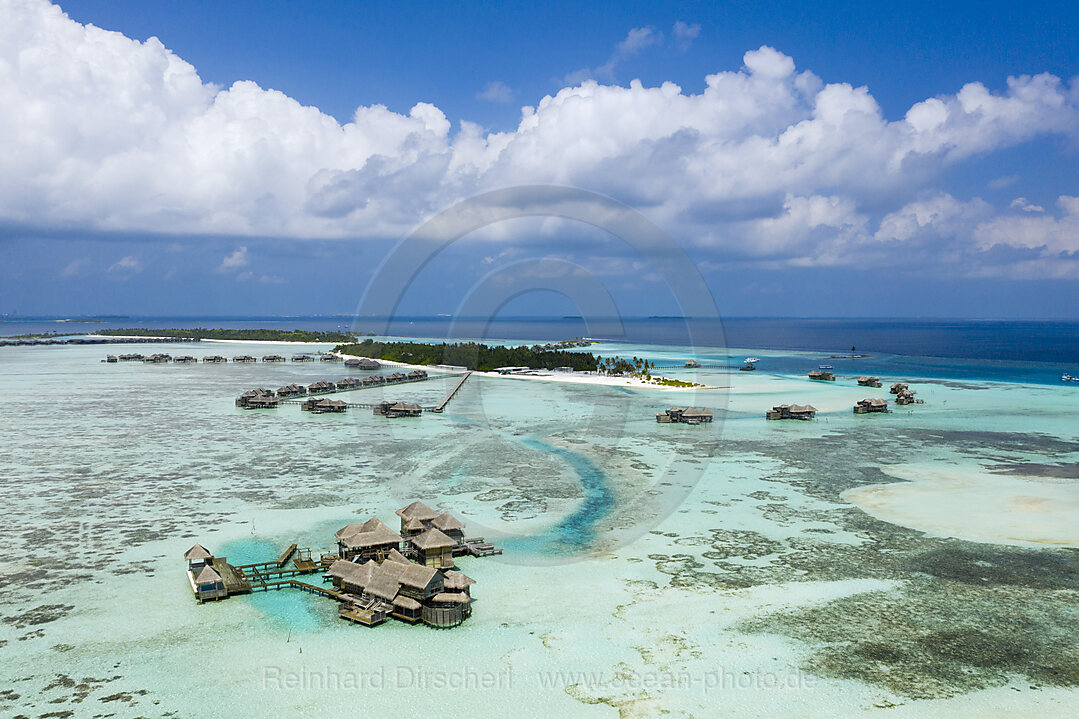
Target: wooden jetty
[449,395]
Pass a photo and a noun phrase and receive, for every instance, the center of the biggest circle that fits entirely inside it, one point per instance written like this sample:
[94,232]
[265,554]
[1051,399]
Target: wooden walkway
[371,405]
[352,389]
[449,395]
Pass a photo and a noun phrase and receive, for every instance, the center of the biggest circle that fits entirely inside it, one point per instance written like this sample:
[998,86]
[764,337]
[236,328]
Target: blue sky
[262,158]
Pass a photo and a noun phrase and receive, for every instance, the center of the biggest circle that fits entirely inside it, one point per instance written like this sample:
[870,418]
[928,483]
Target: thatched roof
[348,529]
[432,539]
[446,522]
[197,552]
[417,510]
[415,525]
[406,603]
[417,575]
[353,573]
[458,597]
[386,580]
[208,576]
[394,556]
[802,408]
[454,580]
[379,535]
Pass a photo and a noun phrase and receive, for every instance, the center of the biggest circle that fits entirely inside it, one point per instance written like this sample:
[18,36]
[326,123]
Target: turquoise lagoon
[921,563]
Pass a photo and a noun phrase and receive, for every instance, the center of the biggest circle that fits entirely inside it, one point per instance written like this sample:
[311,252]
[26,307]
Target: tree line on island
[258,335]
[472,355]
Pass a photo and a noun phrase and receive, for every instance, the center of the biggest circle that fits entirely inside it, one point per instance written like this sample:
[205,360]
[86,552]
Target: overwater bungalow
[371,380]
[867,406]
[906,396]
[369,540]
[273,358]
[131,357]
[692,364]
[450,526]
[244,359]
[415,512]
[321,387]
[897,388]
[792,411]
[329,357]
[323,405]
[397,409]
[214,359]
[258,398]
[685,415]
[302,358]
[110,358]
[433,548]
[362,363]
[184,359]
[206,582]
[417,374]
[157,358]
[262,401]
[404,590]
[822,375]
[291,390]
[395,377]
[348,383]
[869,381]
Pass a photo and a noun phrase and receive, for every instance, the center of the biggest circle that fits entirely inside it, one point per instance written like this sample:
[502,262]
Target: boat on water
[752,360]
[747,367]
[825,366]
[1068,378]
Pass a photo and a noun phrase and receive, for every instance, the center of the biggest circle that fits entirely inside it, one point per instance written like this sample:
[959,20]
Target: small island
[253,335]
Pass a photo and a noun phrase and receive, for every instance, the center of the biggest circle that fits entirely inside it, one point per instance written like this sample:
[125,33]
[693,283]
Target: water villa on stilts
[792,411]
[685,415]
[397,409]
[869,382]
[257,399]
[324,405]
[869,406]
[376,573]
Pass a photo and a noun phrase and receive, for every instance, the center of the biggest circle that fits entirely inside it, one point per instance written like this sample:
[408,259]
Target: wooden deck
[235,581]
[478,547]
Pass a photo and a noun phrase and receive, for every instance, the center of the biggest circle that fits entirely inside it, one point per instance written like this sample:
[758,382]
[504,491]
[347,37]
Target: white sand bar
[975,505]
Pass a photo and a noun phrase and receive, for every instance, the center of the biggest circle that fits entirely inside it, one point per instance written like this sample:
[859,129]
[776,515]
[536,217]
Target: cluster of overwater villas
[376,573]
[261,398]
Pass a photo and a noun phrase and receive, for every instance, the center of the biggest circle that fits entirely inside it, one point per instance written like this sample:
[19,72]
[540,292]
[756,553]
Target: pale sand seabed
[977,506]
[763,574]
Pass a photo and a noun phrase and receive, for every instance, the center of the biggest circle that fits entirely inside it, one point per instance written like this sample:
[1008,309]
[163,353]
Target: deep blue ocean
[1007,350]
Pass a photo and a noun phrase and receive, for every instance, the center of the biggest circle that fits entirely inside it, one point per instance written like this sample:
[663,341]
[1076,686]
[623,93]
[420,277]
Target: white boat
[1068,378]
[825,366]
[752,360]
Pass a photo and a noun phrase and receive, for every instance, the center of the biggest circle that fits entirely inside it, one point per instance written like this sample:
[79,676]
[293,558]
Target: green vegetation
[261,335]
[471,355]
[641,369]
[40,335]
[667,382]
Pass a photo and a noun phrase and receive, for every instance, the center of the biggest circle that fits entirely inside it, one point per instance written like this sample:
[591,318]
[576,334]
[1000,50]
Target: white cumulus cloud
[767,161]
